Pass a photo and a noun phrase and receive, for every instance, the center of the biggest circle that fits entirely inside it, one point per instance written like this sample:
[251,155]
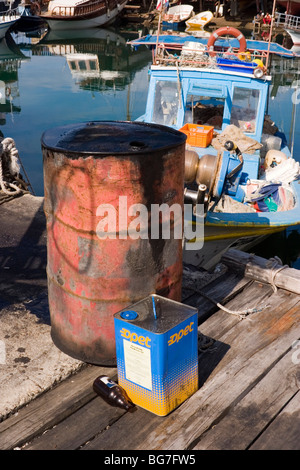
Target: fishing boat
[240,177]
[81,14]
[7,20]
[200,20]
[176,16]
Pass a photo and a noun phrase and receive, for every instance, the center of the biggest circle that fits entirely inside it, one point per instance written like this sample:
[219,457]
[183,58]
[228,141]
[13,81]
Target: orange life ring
[224,31]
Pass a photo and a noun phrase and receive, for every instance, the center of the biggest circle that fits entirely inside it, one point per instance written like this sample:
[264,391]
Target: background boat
[7,20]
[177,15]
[72,14]
[292,7]
[200,20]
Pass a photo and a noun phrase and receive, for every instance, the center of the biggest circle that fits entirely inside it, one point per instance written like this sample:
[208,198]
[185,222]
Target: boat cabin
[209,96]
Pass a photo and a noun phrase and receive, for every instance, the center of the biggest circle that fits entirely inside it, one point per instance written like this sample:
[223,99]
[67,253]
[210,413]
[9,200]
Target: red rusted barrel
[97,262]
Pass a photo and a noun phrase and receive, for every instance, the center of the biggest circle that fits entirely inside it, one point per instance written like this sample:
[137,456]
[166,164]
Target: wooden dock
[249,378]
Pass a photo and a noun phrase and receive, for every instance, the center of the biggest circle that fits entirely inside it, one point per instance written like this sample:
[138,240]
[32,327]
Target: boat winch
[214,174]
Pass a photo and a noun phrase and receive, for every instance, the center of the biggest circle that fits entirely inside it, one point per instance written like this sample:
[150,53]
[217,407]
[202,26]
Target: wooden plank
[283,433]
[132,7]
[253,295]
[219,291]
[124,433]
[50,408]
[254,346]
[223,324]
[78,428]
[262,269]
[245,421]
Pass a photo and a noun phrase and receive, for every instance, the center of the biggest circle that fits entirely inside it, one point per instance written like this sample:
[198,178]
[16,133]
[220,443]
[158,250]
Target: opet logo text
[180,334]
[133,337]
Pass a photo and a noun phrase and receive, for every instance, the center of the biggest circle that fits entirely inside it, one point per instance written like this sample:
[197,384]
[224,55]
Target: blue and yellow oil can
[157,353]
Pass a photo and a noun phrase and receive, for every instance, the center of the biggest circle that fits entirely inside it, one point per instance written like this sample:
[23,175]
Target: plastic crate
[197,135]
[236,65]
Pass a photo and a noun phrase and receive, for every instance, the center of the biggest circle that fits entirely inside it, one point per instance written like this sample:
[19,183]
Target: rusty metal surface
[90,279]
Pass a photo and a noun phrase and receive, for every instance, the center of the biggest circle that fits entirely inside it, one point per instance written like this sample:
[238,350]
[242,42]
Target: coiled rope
[11,182]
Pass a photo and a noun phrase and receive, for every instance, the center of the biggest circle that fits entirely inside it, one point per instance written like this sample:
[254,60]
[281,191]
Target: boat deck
[248,396]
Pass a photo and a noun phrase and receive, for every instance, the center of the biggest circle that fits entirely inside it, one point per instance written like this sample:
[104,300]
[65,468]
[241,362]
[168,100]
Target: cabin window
[82,65]
[72,64]
[204,110]
[92,65]
[244,109]
[166,102]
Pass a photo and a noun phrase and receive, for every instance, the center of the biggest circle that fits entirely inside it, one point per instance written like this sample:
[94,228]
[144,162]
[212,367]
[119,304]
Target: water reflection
[10,61]
[97,58]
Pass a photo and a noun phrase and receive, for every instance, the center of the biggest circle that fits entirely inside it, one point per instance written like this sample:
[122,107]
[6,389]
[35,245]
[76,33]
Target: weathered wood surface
[248,396]
[50,408]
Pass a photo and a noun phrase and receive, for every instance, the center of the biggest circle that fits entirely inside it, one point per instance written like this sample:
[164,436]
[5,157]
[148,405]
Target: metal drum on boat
[104,182]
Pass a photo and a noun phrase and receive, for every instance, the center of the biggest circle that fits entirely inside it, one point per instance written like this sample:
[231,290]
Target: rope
[240,313]
[275,265]
[9,169]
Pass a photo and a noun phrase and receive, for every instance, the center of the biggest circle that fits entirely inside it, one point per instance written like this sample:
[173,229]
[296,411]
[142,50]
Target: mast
[270,35]
[158,29]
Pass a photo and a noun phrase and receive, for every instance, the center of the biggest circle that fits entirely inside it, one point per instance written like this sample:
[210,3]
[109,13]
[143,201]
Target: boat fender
[274,158]
[259,63]
[244,56]
[224,31]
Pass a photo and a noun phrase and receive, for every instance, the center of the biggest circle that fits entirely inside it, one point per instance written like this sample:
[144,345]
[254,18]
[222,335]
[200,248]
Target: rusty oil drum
[91,274]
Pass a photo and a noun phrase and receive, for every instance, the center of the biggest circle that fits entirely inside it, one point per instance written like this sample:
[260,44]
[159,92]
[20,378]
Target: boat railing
[11,13]
[287,21]
[78,10]
[186,56]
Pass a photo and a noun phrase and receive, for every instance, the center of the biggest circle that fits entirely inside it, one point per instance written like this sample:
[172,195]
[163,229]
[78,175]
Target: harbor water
[50,79]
